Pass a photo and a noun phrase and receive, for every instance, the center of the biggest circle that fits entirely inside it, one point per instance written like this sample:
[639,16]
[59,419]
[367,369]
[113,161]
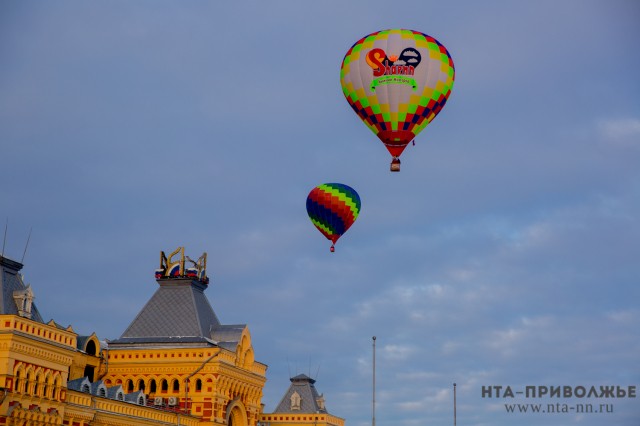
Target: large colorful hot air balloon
[332,208]
[397,81]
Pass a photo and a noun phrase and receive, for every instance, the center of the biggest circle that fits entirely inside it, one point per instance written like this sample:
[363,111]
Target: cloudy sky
[505,253]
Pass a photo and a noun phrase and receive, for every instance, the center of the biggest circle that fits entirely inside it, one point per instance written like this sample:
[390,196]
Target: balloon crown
[173,266]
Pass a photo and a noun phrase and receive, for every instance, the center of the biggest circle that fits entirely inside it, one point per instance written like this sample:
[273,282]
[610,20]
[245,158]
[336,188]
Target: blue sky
[505,253]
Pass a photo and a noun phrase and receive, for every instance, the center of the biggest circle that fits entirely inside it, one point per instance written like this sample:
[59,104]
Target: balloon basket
[395,164]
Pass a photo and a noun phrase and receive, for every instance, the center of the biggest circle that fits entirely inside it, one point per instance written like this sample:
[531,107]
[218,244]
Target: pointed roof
[11,284]
[179,314]
[301,397]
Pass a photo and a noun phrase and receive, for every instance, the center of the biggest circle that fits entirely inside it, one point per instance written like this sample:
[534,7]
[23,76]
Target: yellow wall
[37,360]
[216,380]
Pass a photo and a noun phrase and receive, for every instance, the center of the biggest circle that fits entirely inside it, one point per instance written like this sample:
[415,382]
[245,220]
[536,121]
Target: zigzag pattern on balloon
[332,208]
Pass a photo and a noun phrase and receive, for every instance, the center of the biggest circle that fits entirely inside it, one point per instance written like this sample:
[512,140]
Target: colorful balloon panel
[332,208]
[397,81]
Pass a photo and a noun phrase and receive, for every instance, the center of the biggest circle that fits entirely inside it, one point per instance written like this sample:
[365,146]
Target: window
[176,385]
[91,348]
[295,401]
[88,372]
[56,387]
[164,385]
[198,385]
[36,386]
[30,380]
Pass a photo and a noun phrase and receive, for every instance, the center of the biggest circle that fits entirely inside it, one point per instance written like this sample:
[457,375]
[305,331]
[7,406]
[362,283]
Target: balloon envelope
[397,81]
[332,208]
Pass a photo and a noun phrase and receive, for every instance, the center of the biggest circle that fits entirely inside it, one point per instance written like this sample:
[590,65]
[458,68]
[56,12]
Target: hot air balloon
[332,208]
[397,81]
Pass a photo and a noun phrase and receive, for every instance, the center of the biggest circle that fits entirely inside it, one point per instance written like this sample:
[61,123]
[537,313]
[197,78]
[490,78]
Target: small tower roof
[301,397]
[11,284]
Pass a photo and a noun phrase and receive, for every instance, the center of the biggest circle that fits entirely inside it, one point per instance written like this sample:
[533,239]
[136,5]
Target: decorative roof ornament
[173,266]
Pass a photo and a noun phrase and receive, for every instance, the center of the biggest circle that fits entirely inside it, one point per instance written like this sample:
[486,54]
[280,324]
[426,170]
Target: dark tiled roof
[81,385]
[227,336]
[227,332]
[178,312]
[10,281]
[115,392]
[309,397]
[167,341]
[137,397]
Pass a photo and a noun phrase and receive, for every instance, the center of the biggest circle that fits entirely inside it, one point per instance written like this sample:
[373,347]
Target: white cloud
[397,352]
[514,340]
[624,131]
[439,398]
[625,316]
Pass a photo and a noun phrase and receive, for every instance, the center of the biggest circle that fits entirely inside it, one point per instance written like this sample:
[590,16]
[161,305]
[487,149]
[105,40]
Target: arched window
[102,392]
[141,385]
[164,385]
[129,385]
[141,400]
[176,385]
[86,388]
[16,384]
[56,387]
[91,348]
[30,383]
[152,386]
[47,389]
[198,385]
[38,385]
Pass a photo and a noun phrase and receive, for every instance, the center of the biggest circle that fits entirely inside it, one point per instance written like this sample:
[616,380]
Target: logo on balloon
[392,69]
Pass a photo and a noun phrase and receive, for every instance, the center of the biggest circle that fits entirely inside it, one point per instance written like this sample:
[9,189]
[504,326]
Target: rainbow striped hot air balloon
[397,81]
[332,208]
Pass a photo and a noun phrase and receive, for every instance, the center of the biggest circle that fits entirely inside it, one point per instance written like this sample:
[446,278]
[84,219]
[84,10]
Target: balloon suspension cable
[395,164]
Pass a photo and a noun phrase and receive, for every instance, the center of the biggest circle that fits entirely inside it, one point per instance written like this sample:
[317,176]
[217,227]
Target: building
[301,405]
[175,364]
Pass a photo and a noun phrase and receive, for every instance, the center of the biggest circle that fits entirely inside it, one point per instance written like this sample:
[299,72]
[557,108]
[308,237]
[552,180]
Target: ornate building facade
[175,364]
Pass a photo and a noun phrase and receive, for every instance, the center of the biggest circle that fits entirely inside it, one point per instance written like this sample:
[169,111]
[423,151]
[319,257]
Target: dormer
[24,301]
[320,401]
[296,399]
